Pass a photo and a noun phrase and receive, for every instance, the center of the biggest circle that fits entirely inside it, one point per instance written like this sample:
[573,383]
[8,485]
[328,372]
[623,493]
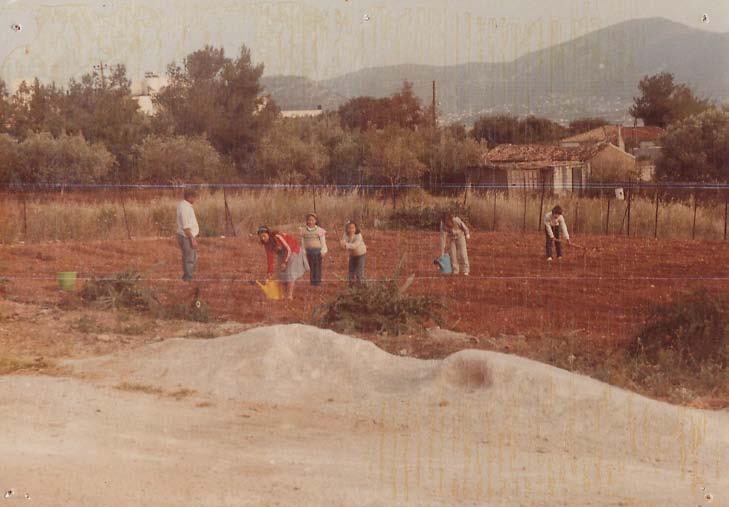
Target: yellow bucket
[271,289]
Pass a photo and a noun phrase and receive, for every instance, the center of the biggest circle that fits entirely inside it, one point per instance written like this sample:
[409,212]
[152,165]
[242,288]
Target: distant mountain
[596,74]
[296,92]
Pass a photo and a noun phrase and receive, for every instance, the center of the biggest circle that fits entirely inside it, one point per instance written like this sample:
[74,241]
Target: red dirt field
[601,292]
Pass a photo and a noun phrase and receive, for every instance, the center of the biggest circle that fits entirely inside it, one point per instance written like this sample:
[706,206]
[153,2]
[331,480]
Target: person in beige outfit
[453,234]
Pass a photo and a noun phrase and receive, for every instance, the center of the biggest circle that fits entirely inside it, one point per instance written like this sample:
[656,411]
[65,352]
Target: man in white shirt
[187,231]
[555,227]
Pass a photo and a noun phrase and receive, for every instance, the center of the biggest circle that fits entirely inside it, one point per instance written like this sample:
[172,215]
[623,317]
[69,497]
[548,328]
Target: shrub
[179,158]
[163,220]
[286,157]
[120,290]
[379,307]
[692,330]
[197,310]
[8,158]
[105,219]
[65,159]
[426,217]
[86,325]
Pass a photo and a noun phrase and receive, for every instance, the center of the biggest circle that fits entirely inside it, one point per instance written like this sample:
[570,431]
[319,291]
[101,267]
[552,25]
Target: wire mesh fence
[51,212]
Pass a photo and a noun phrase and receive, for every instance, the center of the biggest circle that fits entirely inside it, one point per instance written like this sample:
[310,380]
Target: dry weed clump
[154,390]
[120,290]
[10,365]
[380,306]
[693,328]
[127,290]
[681,355]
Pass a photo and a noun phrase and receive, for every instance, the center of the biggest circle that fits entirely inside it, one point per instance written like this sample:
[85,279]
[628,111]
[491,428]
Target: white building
[302,113]
[144,91]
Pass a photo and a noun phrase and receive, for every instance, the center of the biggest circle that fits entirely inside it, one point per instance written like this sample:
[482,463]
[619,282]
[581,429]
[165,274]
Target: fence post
[693,227]
[630,201]
[541,204]
[523,227]
[493,226]
[124,212]
[726,209]
[655,227]
[25,217]
[607,219]
[313,191]
[228,214]
[577,216]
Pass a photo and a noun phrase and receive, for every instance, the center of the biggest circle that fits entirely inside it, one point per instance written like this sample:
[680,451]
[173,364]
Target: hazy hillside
[594,74]
[296,92]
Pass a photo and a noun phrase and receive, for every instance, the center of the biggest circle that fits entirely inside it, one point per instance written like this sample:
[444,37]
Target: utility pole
[435,124]
[100,67]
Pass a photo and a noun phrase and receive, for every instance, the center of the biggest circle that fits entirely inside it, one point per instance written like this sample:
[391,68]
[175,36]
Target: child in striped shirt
[313,237]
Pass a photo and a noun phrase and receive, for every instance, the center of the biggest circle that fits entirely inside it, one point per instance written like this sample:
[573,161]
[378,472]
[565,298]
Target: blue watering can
[444,264]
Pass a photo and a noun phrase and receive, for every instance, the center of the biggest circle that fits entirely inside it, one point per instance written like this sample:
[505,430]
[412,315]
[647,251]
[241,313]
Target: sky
[319,39]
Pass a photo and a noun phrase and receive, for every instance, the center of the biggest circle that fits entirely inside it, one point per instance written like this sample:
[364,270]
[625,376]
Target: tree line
[214,123]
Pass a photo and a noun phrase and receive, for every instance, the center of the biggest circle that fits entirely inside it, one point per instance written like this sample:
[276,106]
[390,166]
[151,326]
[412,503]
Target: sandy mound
[273,364]
[287,362]
[293,415]
[304,366]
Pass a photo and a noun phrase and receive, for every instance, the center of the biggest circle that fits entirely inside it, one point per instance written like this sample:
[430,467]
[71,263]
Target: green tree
[101,108]
[453,156]
[500,129]
[348,157]
[696,149]
[8,159]
[4,107]
[283,156]
[394,157]
[362,113]
[42,158]
[662,101]
[219,98]
[447,152]
[180,159]
[505,129]
[403,109]
[406,109]
[35,108]
[458,131]
[540,130]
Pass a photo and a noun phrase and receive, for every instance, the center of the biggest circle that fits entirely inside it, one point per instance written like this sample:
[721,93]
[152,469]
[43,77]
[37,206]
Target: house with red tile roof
[626,138]
[557,170]
[644,143]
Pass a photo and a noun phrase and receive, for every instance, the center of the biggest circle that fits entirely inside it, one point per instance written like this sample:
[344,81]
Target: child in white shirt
[555,228]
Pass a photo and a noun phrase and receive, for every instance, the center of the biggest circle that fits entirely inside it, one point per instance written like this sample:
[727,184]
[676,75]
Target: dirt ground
[601,292]
[132,410]
[293,415]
